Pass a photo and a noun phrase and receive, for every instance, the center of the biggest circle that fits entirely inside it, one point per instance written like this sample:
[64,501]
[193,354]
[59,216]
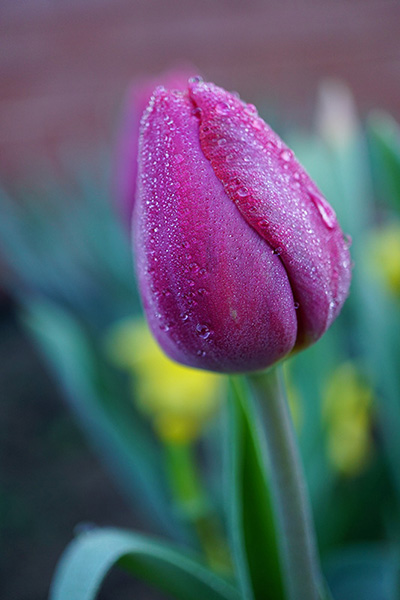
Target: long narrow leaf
[89,558]
[251,517]
[111,424]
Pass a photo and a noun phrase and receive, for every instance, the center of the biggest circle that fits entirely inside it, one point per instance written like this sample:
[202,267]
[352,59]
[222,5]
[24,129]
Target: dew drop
[196,79]
[221,142]
[257,124]
[296,305]
[194,267]
[201,353]
[179,158]
[348,240]
[251,110]
[325,210]
[286,155]
[277,251]
[197,111]
[203,331]
[243,192]
[222,108]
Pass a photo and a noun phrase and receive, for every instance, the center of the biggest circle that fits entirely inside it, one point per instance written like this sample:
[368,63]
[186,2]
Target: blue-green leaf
[249,504]
[89,558]
[365,572]
[110,422]
[384,141]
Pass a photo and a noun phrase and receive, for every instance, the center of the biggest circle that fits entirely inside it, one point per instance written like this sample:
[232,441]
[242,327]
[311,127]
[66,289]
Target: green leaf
[109,419]
[384,140]
[365,572]
[249,504]
[89,558]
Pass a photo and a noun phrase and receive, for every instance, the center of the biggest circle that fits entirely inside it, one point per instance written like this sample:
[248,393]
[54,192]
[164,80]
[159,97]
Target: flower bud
[240,259]
[137,99]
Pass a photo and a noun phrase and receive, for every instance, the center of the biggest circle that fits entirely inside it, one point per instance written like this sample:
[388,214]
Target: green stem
[298,544]
[194,505]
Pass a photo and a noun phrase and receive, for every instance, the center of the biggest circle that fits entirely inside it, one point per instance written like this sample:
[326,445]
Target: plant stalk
[300,559]
[191,498]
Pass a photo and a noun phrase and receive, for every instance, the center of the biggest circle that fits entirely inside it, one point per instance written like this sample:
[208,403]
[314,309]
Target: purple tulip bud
[240,259]
[137,99]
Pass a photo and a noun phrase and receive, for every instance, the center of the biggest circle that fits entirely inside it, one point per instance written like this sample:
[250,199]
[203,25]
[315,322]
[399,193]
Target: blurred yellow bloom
[384,255]
[346,409]
[179,400]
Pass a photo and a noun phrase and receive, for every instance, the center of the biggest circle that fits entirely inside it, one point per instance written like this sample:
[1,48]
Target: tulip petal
[215,295]
[136,101]
[279,200]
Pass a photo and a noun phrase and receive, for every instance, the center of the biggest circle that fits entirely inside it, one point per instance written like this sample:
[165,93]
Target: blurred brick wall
[64,65]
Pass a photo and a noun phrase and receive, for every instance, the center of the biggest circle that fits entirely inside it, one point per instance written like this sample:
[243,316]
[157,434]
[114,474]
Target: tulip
[240,259]
[137,98]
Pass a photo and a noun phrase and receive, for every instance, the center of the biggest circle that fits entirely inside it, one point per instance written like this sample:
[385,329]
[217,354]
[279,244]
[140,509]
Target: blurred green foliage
[67,262]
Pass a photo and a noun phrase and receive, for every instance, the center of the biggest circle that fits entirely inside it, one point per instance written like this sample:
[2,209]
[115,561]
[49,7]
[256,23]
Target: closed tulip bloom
[240,259]
[138,97]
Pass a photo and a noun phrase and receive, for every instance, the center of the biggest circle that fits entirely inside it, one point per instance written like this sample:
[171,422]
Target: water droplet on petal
[251,110]
[257,124]
[203,331]
[296,305]
[277,251]
[243,192]
[222,108]
[348,240]
[263,224]
[179,158]
[286,155]
[196,79]
[197,111]
[194,267]
[325,210]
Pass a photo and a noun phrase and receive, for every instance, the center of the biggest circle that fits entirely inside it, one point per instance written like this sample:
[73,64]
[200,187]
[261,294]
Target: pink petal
[138,97]
[278,200]
[215,295]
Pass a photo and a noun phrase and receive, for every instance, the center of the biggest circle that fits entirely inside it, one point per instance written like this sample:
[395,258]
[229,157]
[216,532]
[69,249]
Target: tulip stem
[299,553]
[192,501]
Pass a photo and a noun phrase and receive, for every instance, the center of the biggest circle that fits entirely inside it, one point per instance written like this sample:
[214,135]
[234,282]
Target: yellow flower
[384,255]
[179,400]
[347,412]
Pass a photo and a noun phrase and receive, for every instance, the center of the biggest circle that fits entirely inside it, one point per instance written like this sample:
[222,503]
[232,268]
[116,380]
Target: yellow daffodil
[384,255]
[347,408]
[179,400]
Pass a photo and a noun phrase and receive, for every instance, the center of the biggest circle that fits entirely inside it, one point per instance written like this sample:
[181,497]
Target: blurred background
[326,76]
